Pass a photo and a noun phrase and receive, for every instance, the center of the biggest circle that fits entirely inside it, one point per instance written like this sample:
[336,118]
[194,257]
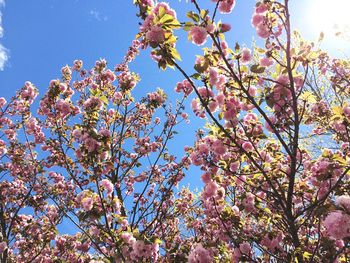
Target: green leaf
[104,99]
[188,26]
[161,12]
[270,101]
[166,19]
[196,76]
[308,97]
[162,64]
[257,69]
[200,68]
[237,47]
[193,16]
[306,255]
[175,54]
[204,13]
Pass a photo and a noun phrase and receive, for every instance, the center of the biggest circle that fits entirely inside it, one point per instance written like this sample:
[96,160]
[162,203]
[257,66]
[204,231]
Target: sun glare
[330,17]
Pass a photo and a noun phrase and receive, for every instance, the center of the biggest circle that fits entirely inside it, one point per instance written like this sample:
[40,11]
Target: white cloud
[97,15]
[3,57]
[3,50]
[1,29]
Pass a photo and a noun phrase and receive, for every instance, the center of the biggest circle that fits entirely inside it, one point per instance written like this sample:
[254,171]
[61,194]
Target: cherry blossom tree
[91,157]
[275,150]
[274,153]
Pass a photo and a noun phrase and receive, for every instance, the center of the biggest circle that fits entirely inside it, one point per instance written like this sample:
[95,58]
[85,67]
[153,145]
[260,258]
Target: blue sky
[43,35]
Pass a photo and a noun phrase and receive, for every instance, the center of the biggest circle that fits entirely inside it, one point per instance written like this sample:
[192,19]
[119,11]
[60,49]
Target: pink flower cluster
[272,243]
[155,35]
[259,21]
[138,250]
[337,224]
[246,56]
[29,92]
[343,201]
[198,35]
[156,98]
[86,200]
[107,185]
[33,128]
[199,254]
[93,103]
[147,3]
[185,87]
[2,102]
[226,6]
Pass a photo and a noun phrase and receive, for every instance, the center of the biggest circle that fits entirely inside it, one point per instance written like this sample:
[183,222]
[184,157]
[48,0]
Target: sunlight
[330,17]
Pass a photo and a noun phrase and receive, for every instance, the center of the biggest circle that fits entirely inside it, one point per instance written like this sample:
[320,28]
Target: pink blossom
[257,19]
[199,254]
[234,166]
[252,91]
[205,92]
[139,248]
[246,55]
[247,146]
[240,180]
[347,112]
[91,144]
[199,35]
[333,222]
[63,107]
[226,6]
[66,71]
[344,202]
[185,87]
[213,76]
[210,189]
[266,62]
[262,8]
[2,102]
[78,64]
[245,248]
[155,35]
[210,28]
[195,105]
[93,103]
[105,132]
[110,75]
[106,184]
[29,92]
[263,32]
[249,202]
[225,27]
[218,147]
[236,255]
[206,178]
[166,7]
[127,237]
[3,149]
[3,246]
[220,99]
[271,244]
[87,203]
